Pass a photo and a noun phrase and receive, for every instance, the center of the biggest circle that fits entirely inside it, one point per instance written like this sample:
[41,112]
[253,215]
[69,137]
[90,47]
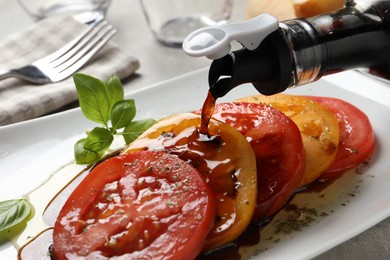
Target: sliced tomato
[318,126]
[277,143]
[224,158]
[143,204]
[357,138]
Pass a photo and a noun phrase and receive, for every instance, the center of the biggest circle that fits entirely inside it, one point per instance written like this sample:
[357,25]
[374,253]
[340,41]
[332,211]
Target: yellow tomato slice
[224,158]
[318,126]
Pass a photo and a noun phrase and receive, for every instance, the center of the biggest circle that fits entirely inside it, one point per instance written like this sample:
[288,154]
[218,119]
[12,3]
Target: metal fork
[64,62]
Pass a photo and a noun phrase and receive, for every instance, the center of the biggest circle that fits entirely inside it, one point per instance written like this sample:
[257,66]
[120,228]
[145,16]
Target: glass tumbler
[40,9]
[171,21]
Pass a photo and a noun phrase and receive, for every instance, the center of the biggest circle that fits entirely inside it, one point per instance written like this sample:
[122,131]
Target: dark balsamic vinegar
[207,112]
[250,237]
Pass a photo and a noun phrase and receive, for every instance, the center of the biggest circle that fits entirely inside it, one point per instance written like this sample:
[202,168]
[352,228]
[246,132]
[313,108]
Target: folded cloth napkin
[20,100]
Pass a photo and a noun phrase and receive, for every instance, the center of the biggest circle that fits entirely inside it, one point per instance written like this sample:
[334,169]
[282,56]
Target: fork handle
[6,74]
[28,73]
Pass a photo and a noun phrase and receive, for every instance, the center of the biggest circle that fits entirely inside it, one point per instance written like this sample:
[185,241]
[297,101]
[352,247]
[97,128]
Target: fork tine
[60,52]
[68,59]
[76,62]
[80,45]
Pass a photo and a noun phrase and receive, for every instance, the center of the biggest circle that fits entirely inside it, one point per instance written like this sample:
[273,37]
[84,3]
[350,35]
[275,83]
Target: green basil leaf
[93,98]
[114,89]
[13,212]
[136,128]
[122,113]
[98,139]
[84,156]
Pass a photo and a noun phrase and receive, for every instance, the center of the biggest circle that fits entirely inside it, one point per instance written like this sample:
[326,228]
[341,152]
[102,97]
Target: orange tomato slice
[224,158]
[317,124]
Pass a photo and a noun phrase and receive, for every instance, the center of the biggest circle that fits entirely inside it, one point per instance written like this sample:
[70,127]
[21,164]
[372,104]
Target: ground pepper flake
[298,219]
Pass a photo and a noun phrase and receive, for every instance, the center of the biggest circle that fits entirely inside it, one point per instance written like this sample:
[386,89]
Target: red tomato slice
[142,204]
[357,138]
[277,143]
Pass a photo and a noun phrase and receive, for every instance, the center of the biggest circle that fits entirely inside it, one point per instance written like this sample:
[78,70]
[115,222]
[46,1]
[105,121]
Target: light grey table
[159,63]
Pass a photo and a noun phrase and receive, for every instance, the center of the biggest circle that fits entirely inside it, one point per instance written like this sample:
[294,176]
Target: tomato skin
[277,144]
[136,206]
[357,138]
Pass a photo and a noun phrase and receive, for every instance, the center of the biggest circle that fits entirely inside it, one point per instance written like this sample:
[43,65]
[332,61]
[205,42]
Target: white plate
[31,151]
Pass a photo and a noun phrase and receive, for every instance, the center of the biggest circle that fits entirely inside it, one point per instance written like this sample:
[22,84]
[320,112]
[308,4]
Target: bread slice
[309,8]
[281,9]
[288,9]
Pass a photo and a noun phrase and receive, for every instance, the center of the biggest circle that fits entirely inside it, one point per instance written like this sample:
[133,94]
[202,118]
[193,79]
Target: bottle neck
[357,36]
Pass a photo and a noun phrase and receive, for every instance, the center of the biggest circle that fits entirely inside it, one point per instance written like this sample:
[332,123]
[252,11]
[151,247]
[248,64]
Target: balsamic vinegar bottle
[303,50]
[357,36]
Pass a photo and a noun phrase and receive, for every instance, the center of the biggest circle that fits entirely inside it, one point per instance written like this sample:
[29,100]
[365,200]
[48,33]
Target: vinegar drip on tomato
[207,112]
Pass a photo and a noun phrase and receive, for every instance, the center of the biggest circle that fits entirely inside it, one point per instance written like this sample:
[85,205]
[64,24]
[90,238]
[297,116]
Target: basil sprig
[13,212]
[104,103]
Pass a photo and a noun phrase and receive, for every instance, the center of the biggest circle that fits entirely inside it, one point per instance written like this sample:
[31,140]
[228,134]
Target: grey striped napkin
[21,101]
